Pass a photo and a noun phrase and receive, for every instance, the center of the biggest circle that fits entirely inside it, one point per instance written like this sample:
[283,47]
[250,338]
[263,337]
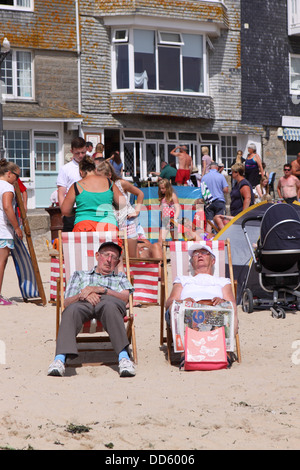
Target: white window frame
[17,160]
[169,43]
[15,6]
[293,92]
[14,95]
[120,40]
[130,43]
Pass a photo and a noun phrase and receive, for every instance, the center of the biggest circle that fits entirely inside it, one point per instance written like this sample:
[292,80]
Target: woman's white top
[6,229]
[201,286]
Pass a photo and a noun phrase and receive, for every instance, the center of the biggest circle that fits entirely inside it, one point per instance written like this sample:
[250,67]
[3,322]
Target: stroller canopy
[280,237]
[280,228]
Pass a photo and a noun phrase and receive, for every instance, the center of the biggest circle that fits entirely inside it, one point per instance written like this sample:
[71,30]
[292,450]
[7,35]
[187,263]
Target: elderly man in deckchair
[101,294]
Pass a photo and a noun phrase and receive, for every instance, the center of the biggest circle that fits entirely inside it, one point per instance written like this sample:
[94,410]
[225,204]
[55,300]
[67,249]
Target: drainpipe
[78,60]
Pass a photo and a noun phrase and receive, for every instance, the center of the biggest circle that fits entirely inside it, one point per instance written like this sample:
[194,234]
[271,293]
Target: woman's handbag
[205,350]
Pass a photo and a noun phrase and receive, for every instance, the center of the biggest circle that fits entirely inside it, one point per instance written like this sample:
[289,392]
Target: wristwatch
[105,291]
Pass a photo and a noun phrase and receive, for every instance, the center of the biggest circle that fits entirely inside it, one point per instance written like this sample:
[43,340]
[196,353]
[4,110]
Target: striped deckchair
[179,265]
[146,279]
[77,252]
[25,273]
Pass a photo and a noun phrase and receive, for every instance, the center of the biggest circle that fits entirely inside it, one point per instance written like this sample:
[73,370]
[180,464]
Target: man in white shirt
[69,174]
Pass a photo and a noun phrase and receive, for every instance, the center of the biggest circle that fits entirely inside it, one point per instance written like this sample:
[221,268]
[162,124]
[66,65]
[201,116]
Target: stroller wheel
[278,312]
[247,301]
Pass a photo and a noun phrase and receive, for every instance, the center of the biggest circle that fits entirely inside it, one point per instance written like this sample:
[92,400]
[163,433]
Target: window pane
[228,150]
[17,3]
[45,155]
[169,68]
[170,37]
[155,135]
[295,73]
[17,144]
[144,59]
[24,74]
[133,134]
[122,66]
[6,74]
[151,157]
[121,35]
[192,53]
[129,158]
[23,3]
[187,136]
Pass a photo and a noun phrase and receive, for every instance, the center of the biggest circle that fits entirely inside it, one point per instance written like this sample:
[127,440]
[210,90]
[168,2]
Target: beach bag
[205,350]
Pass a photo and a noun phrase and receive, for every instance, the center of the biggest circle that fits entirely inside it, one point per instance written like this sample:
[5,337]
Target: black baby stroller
[274,274]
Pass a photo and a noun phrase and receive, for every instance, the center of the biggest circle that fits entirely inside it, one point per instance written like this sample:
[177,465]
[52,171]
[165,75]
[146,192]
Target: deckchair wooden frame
[163,324]
[95,338]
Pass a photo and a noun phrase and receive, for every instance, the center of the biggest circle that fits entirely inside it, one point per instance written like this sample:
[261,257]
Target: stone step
[39,223]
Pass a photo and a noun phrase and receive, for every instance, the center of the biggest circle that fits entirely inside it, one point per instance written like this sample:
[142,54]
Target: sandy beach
[253,405]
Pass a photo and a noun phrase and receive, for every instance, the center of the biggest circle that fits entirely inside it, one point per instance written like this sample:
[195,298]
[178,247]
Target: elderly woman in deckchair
[202,285]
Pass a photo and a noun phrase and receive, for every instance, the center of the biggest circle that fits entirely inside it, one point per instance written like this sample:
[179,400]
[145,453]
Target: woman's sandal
[4,301]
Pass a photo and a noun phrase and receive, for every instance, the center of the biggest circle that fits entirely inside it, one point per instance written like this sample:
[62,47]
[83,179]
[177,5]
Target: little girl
[261,191]
[170,208]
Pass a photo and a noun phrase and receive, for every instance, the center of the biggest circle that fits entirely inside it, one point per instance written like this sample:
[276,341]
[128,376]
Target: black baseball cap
[115,245]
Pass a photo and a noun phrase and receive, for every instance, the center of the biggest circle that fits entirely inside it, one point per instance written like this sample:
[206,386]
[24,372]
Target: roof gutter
[78,59]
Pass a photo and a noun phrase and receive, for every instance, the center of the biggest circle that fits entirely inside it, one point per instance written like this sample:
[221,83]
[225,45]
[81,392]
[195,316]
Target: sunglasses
[201,252]
[16,174]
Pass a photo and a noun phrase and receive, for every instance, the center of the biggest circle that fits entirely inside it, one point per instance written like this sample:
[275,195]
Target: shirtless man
[288,186]
[296,166]
[185,165]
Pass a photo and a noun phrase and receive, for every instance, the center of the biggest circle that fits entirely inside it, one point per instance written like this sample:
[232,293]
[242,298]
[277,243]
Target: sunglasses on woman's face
[16,174]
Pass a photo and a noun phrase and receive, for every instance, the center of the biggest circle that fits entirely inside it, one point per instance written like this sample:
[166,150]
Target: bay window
[158,60]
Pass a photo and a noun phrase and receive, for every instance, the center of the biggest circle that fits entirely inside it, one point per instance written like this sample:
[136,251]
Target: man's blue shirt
[215,182]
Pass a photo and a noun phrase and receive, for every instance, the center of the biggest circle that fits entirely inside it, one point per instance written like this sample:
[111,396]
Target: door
[133,159]
[46,170]
[152,160]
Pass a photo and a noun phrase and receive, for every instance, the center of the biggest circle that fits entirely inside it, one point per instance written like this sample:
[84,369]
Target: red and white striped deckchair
[180,265]
[77,252]
[146,279]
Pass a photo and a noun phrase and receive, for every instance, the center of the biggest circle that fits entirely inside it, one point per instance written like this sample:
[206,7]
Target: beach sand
[253,405]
